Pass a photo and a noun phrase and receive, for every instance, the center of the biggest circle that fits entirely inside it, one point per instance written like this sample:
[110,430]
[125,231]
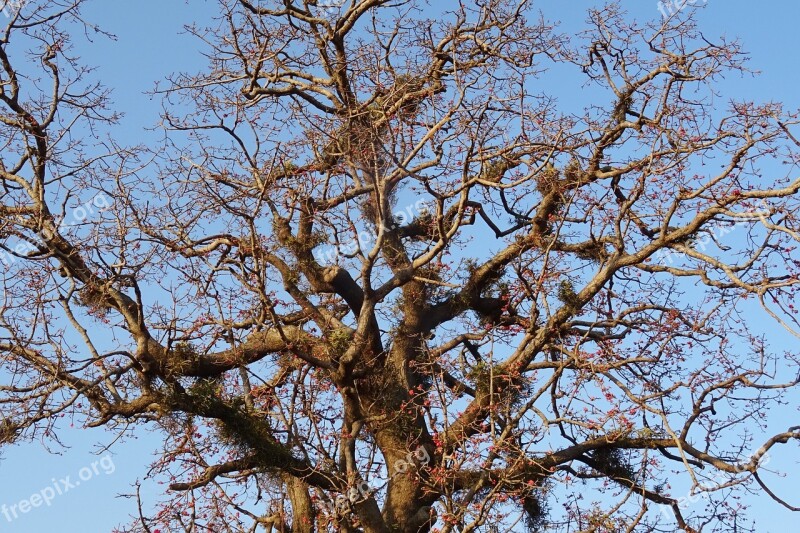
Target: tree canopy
[378,277]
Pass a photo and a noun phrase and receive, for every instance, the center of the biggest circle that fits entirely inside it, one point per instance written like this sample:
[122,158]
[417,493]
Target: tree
[376,279]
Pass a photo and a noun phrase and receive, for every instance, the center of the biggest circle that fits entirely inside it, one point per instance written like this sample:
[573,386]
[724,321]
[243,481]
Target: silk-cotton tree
[410,267]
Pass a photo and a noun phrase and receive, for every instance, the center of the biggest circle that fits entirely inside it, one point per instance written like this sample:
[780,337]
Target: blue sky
[151,45]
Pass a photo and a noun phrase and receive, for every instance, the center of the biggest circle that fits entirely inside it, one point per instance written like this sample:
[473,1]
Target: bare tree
[377,279]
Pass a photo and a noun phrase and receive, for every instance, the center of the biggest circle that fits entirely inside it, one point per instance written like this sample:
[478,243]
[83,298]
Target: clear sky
[151,45]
